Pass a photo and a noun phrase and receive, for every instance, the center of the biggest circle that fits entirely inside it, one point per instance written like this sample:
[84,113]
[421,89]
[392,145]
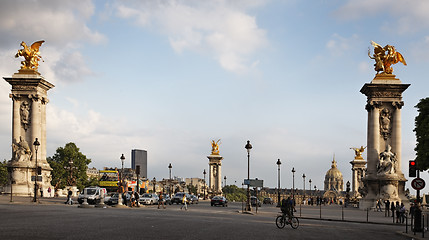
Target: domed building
[334,183]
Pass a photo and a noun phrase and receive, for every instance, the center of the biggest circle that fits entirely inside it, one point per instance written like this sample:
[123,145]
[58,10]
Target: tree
[422,134]
[234,193]
[4,175]
[64,172]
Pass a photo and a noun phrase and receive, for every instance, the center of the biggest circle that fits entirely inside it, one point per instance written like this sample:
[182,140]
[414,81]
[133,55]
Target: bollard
[406,224]
[423,229]
[367,211]
[320,211]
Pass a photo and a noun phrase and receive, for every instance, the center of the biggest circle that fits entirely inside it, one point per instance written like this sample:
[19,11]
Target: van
[92,194]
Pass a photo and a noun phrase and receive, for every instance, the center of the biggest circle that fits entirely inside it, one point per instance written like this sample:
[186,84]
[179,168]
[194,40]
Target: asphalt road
[59,221]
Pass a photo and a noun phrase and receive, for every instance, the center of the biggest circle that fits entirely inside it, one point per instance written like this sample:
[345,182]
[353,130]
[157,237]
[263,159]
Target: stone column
[384,179]
[29,96]
[215,177]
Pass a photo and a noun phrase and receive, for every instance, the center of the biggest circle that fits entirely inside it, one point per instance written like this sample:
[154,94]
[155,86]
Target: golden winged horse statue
[31,55]
[385,57]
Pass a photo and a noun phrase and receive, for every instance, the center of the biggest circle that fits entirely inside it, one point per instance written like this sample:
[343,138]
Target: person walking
[161,200]
[387,208]
[69,195]
[412,210]
[392,208]
[397,209]
[402,213]
[137,197]
[184,202]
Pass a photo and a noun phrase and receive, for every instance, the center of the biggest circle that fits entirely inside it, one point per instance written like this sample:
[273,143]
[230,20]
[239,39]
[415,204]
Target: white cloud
[399,16]
[339,45]
[221,28]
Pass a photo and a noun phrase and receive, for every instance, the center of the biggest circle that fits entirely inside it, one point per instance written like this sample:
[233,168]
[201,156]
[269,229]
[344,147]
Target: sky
[169,76]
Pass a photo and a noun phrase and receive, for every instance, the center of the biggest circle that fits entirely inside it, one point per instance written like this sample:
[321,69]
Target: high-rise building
[139,157]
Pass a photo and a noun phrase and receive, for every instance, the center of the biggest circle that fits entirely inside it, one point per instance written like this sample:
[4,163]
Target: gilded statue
[31,55]
[215,147]
[385,57]
[358,152]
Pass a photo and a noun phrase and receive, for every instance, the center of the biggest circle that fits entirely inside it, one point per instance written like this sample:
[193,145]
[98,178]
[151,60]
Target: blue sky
[170,76]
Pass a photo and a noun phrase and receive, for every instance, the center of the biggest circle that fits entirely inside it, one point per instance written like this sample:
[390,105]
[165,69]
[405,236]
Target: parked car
[268,200]
[178,197]
[93,195]
[219,200]
[149,198]
[193,199]
[114,198]
[255,201]
[166,198]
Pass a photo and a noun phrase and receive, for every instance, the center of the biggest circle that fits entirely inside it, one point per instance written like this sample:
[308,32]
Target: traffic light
[412,169]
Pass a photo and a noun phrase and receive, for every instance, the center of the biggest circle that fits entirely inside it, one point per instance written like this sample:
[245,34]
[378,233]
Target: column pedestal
[215,174]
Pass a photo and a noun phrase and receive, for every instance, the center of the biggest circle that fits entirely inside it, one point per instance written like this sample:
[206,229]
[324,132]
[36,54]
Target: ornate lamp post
[169,184]
[224,178]
[248,147]
[70,180]
[204,173]
[310,187]
[154,184]
[278,175]
[36,145]
[121,182]
[303,193]
[293,183]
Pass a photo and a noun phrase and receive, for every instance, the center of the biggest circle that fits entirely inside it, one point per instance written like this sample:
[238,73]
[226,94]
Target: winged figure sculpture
[31,55]
[385,57]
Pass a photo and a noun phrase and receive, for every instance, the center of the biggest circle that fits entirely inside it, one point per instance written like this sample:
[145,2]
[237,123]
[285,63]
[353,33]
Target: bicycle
[282,220]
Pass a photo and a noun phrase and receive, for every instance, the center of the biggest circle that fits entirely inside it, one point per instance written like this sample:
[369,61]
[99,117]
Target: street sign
[254,182]
[418,184]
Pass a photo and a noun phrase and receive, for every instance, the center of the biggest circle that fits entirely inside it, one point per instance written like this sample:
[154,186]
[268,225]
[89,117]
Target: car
[255,201]
[178,197]
[166,199]
[219,200]
[93,195]
[268,200]
[114,198]
[149,198]
[193,199]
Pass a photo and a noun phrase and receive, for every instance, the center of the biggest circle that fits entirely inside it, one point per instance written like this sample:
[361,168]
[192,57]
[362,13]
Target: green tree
[422,134]
[192,189]
[4,176]
[66,174]
[233,193]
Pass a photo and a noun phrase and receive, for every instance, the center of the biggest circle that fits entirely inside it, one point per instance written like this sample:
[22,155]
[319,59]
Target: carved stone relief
[21,150]
[387,162]
[25,114]
[385,126]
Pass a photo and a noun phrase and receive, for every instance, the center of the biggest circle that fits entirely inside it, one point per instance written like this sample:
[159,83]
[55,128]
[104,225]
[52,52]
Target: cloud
[405,16]
[220,28]
[61,24]
[339,45]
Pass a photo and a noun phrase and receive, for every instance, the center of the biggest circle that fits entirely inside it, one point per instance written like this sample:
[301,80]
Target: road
[54,220]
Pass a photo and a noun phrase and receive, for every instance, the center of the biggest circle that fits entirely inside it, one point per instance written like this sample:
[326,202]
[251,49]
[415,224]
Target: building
[92,173]
[139,158]
[334,184]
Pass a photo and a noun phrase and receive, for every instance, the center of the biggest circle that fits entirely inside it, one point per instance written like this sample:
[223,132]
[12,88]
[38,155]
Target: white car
[149,198]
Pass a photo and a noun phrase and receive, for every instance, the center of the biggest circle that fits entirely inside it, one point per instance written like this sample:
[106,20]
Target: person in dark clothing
[392,208]
[286,207]
[387,208]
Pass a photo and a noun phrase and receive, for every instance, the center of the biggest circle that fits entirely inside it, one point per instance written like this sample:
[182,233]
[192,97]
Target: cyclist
[286,207]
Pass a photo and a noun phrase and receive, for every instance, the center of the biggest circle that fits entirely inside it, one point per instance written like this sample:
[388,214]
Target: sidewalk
[5,199]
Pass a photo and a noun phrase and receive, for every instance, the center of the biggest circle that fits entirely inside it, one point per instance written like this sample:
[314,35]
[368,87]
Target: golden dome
[334,173]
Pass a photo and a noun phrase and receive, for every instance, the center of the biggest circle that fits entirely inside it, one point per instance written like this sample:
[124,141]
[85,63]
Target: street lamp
[169,187]
[70,180]
[303,194]
[278,189]
[310,186]
[248,147]
[121,179]
[154,184]
[36,148]
[204,173]
[293,183]
[224,181]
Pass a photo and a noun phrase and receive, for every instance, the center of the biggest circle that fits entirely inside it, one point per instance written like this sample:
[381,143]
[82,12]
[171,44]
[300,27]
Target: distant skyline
[170,76]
